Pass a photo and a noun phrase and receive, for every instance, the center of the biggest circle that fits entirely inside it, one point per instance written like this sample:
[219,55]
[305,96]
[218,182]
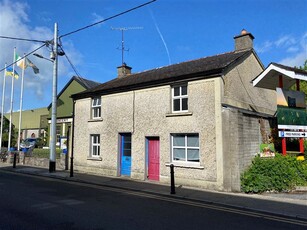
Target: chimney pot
[243,32]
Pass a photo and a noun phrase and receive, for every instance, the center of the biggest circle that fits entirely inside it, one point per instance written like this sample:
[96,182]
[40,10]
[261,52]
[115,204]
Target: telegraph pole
[122,29]
[54,57]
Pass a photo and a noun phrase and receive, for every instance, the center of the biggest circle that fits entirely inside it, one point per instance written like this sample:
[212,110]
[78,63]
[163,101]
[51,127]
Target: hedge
[281,173]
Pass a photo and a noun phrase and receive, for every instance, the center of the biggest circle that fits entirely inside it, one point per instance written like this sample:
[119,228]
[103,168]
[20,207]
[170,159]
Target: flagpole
[12,100]
[2,107]
[21,96]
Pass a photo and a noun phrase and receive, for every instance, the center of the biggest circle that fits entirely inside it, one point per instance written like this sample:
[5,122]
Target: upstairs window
[180,98]
[96,108]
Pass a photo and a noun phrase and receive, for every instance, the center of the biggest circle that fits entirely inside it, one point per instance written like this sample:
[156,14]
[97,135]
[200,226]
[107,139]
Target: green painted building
[65,107]
[36,122]
[33,122]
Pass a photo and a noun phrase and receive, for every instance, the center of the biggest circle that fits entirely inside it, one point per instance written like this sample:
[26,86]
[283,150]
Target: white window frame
[95,144]
[179,97]
[185,147]
[96,107]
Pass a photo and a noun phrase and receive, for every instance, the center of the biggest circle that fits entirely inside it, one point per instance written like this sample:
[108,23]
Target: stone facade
[227,113]
[228,137]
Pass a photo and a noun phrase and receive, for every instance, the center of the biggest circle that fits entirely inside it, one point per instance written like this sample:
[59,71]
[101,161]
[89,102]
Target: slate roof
[87,84]
[203,67]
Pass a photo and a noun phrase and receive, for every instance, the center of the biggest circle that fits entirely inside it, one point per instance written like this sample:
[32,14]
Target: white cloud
[265,47]
[292,49]
[15,22]
[97,18]
[299,57]
[285,41]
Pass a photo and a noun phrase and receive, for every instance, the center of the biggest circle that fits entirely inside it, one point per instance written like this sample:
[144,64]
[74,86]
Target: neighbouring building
[65,107]
[203,116]
[36,122]
[33,122]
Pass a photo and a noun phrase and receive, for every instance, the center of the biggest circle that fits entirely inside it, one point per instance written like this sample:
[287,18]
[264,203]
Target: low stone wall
[42,162]
[36,161]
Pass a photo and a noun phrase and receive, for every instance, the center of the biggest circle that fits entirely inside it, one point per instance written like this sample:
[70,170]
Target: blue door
[125,154]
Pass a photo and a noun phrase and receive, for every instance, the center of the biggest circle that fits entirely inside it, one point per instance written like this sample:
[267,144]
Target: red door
[153,158]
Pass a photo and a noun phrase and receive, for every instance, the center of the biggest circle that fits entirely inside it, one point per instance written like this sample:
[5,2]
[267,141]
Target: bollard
[14,161]
[172,180]
[71,166]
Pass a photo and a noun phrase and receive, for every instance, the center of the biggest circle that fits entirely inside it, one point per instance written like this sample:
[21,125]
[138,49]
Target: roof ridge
[192,60]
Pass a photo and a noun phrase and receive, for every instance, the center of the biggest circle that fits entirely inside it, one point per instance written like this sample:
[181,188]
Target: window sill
[95,120]
[185,165]
[179,114]
[94,158]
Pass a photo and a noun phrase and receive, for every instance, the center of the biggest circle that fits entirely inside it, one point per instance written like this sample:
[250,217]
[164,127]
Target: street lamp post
[54,60]
[52,162]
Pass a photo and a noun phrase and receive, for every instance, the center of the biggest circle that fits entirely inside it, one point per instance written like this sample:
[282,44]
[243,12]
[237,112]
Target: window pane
[95,151]
[184,103]
[176,91]
[127,137]
[127,152]
[184,90]
[176,105]
[179,154]
[96,112]
[179,140]
[193,141]
[96,101]
[127,145]
[193,155]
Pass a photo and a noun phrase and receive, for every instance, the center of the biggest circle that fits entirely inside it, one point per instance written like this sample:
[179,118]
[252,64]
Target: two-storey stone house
[203,116]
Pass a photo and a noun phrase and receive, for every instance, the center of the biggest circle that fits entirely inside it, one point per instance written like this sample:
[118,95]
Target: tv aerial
[122,29]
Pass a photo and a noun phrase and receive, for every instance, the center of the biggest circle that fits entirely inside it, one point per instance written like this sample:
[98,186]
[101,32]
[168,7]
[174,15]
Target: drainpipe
[72,141]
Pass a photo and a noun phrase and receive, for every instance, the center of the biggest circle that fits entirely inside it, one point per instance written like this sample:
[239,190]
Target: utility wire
[46,43]
[23,39]
[23,57]
[71,64]
[104,20]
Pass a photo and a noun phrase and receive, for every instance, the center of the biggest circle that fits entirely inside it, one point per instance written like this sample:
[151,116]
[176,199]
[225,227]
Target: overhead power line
[23,39]
[71,64]
[104,20]
[26,55]
[48,42]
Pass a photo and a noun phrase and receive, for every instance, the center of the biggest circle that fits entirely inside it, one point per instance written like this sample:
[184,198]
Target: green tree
[303,84]
[5,133]
[304,67]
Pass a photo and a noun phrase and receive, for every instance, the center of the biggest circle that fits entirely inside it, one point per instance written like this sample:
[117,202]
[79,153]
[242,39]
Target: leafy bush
[45,153]
[281,173]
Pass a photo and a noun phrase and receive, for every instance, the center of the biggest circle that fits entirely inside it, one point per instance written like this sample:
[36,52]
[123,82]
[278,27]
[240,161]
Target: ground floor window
[95,145]
[185,147]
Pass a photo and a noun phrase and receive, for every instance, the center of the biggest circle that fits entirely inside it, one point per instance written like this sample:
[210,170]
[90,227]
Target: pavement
[291,204]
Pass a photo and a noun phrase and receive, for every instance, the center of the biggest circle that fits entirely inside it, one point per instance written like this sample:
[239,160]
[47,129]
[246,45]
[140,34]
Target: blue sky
[168,32]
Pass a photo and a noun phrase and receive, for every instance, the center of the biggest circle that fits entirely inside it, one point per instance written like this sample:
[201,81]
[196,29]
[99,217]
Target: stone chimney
[244,41]
[123,70]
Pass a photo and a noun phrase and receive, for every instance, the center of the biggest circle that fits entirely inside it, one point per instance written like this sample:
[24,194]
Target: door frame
[147,138]
[119,155]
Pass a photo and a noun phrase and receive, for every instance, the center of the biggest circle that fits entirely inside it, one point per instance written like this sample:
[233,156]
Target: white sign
[292,134]
[292,127]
